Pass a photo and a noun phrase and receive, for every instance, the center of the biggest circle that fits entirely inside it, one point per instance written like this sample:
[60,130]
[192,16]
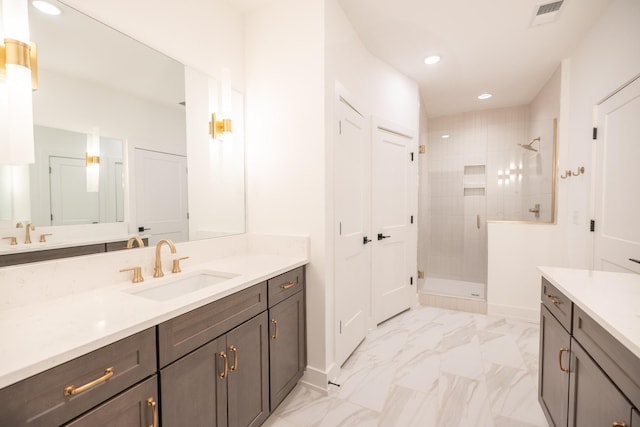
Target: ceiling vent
[546,12]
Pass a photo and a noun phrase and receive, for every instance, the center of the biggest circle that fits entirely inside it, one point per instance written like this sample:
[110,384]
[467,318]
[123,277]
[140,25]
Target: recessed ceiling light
[46,7]
[485,96]
[445,136]
[433,59]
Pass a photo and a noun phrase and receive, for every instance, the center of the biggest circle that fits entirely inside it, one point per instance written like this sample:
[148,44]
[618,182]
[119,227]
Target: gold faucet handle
[137,274]
[14,240]
[43,237]
[19,225]
[176,264]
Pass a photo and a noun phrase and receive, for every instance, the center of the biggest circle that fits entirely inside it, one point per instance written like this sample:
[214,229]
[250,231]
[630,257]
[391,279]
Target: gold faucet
[136,239]
[30,228]
[157,269]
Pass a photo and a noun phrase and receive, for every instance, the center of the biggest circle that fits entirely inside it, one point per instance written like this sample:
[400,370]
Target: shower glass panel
[491,165]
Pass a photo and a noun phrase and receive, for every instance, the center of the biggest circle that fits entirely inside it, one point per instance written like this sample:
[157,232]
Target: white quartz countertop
[39,336]
[611,299]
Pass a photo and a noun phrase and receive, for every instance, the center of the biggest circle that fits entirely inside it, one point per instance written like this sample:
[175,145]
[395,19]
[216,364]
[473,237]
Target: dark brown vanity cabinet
[287,348]
[94,380]
[587,378]
[553,374]
[224,383]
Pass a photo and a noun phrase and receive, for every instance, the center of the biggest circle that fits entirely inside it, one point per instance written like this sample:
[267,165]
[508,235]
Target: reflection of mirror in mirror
[94,76]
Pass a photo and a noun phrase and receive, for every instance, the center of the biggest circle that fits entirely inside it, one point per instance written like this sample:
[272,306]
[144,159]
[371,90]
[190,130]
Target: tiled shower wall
[502,181]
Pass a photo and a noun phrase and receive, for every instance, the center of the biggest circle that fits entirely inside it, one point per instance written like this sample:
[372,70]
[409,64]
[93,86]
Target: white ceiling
[485,45]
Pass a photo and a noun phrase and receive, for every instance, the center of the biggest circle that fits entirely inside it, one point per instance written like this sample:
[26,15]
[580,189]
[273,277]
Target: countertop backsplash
[26,284]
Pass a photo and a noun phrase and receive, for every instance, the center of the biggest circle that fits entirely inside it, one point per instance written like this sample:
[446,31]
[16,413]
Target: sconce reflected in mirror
[220,107]
[18,77]
[93,161]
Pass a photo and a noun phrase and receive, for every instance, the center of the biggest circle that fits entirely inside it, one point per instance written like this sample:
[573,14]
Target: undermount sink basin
[173,288]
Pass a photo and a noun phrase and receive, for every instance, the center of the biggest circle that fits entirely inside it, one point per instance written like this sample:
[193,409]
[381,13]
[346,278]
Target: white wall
[284,109]
[606,58]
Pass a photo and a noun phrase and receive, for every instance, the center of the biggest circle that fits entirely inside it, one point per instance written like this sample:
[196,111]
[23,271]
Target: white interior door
[71,204]
[352,256]
[392,288]
[161,195]
[617,205]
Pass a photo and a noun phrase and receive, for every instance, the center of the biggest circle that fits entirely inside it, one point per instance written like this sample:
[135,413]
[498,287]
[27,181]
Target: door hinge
[50,171]
[420,274]
[411,281]
[411,219]
[422,149]
[340,228]
[592,225]
[341,326]
[51,217]
[412,156]
[187,215]
[595,133]
[339,127]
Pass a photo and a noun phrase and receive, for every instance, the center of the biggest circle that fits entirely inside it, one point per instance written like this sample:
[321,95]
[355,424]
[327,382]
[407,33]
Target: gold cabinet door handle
[235,357]
[287,285]
[617,424]
[275,329]
[225,371]
[562,350]
[73,390]
[154,407]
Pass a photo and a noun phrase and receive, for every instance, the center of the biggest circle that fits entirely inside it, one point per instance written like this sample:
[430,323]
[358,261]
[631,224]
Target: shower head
[529,145]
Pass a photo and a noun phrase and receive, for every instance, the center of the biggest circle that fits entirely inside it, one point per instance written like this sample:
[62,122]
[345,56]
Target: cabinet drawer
[285,285]
[183,334]
[557,303]
[136,407]
[46,399]
[624,370]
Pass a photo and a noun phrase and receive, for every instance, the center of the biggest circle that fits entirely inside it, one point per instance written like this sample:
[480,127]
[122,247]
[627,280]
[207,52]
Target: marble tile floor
[430,367]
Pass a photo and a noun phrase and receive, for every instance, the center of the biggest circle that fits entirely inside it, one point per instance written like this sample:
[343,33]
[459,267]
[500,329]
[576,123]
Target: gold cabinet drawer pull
[554,299]
[73,390]
[224,373]
[235,358]
[287,285]
[617,424]
[562,350]
[154,407]
[275,332]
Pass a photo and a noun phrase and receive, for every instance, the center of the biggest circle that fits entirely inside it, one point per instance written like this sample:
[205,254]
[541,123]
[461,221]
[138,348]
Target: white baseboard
[518,313]
[318,379]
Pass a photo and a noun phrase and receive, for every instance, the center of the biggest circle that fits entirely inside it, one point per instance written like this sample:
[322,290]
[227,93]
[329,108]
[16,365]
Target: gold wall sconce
[93,161]
[218,127]
[569,173]
[18,78]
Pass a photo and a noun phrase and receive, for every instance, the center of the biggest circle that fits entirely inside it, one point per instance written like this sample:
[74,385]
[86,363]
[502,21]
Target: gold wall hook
[569,173]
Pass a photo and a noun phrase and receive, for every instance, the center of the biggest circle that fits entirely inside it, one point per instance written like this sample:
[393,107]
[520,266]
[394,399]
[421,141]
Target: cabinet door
[553,375]
[194,388]
[248,381]
[593,399]
[286,347]
[635,418]
[136,407]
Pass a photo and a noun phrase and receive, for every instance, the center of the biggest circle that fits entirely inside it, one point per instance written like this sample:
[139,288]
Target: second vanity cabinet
[586,377]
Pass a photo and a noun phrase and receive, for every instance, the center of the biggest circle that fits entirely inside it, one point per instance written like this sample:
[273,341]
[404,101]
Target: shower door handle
[381,236]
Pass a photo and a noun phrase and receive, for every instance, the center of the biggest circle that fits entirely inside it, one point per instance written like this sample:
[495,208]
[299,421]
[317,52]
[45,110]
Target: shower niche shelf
[474,180]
